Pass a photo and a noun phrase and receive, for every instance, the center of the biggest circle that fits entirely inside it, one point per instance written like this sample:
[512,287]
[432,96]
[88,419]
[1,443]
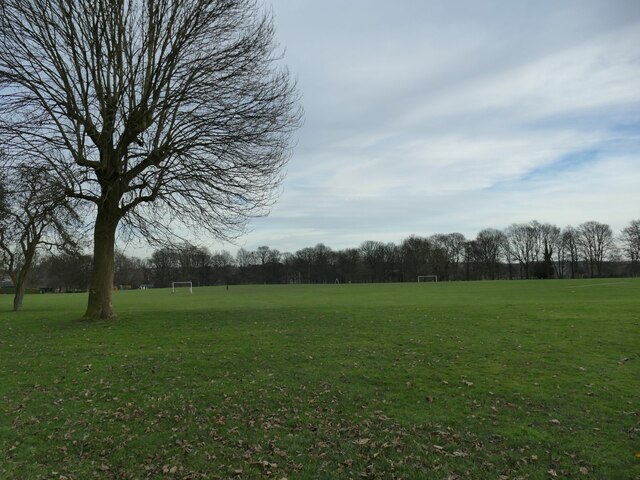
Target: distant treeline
[521,251]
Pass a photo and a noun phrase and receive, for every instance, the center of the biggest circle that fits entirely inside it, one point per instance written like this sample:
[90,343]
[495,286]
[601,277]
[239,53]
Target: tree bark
[20,280]
[99,306]
[19,296]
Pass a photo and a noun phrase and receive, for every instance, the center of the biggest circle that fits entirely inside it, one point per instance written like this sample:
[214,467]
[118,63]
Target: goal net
[427,278]
[175,285]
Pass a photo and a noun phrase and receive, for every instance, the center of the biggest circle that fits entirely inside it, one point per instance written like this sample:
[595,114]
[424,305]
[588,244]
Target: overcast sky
[426,117]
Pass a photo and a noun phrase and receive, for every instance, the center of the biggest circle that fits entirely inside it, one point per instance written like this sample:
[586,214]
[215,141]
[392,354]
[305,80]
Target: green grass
[449,380]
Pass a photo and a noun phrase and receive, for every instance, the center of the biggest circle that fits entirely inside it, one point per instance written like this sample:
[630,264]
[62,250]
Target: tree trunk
[19,296]
[101,289]
[20,280]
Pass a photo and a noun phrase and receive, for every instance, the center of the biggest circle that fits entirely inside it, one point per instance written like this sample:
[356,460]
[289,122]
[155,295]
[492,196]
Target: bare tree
[570,240]
[562,251]
[129,271]
[549,242]
[414,254]
[194,263]
[322,258]
[348,264]
[34,213]
[524,244]
[630,239]
[262,253]
[274,256]
[164,113]
[222,263]
[164,264]
[454,243]
[66,271]
[596,242]
[440,256]
[487,249]
[269,263]
[244,260]
[507,254]
[304,259]
[372,254]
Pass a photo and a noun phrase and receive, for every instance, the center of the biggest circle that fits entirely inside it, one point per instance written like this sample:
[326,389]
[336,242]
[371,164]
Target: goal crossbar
[179,284]
[427,278]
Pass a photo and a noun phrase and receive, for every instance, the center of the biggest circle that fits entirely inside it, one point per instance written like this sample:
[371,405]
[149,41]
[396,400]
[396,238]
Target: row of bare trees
[521,251]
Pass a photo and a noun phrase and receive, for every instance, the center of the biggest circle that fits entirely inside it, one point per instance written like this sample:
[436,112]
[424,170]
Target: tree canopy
[159,113]
[34,214]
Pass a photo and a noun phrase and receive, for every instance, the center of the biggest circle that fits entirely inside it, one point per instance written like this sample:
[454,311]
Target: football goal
[181,284]
[427,278]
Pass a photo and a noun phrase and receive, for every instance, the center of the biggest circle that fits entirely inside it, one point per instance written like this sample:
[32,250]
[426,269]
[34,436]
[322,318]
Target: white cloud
[603,72]
[426,117]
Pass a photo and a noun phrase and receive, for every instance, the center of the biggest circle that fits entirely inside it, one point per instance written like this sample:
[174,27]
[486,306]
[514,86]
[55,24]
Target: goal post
[181,284]
[427,278]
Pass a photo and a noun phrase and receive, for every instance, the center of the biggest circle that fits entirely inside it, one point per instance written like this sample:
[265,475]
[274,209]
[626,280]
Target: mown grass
[493,380]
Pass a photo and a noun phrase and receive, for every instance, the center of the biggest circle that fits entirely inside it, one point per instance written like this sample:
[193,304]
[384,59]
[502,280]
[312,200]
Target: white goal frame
[173,286]
[422,278]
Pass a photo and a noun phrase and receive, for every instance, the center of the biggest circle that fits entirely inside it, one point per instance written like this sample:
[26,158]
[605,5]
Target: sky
[426,117]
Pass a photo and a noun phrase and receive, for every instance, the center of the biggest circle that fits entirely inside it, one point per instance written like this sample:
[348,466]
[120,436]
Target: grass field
[494,380]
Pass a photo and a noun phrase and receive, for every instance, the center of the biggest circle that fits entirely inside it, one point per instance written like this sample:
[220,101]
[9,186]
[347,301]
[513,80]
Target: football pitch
[496,380]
